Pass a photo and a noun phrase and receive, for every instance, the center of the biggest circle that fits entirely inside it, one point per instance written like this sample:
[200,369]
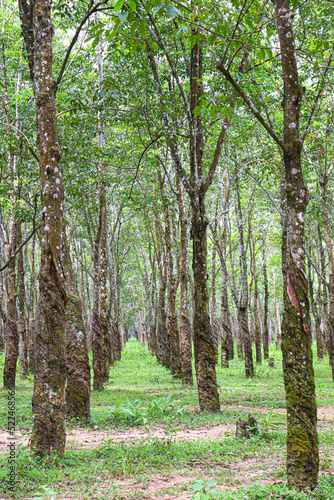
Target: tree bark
[22,327]
[328,239]
[214,326]
[96,329]
[172,326]
[302,439]
[11,333]
[185,335]
[320,351]
[257,330]
[77,364]
[243,300]
[48,434]
[265,334]
[205,360]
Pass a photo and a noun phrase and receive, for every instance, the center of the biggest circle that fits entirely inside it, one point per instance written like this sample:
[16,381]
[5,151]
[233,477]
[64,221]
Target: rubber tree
[48,404]
[196,184]
[302,439]
[77,363]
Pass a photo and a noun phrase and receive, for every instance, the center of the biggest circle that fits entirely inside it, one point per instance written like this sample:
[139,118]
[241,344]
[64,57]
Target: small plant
[135,412]
[47,494]
[204,491]
[268,425]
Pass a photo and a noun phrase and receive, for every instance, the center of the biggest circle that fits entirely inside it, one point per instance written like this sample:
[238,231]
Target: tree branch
[247,100]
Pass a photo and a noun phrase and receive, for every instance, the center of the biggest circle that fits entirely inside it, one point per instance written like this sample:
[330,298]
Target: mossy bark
[185,335]
[162,331]
[205,359]
[227,337]
[32,310]
[243,304]
[22,326]
[302,438]
[48,405]
[96,329]
[257,326]
[265,333]
[172,326]
[77,363]
[11,333]
[328,239]
[314,308]
[247,343]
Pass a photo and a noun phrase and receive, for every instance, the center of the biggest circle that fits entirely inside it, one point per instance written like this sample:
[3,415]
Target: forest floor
[149,440]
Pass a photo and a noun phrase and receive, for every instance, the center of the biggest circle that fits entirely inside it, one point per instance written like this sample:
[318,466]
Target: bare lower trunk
[214,325]
[185,335]
[243,301]
[162,332]
[227,337]
[103,288]
[96,329]
[239,339]
[23,341]
[265,334]
[77,364]
[172,326]
[326,326]
[203,342]
[257,326]
[324,196]
[243,325]
[320,351]
[11,330]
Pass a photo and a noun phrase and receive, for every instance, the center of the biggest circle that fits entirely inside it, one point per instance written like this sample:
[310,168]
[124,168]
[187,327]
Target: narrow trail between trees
[85,438]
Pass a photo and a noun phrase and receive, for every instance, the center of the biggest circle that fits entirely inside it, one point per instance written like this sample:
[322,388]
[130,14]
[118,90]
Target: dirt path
[81,438]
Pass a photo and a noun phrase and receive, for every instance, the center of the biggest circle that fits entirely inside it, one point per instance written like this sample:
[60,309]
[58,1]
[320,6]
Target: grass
[139,395]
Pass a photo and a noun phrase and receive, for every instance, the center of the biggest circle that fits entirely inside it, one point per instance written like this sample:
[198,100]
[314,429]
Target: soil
[81,438]
[158,488]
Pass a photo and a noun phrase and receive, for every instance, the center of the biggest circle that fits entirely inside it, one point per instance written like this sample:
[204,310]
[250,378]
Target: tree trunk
[265,334]
[48,433]
[328,239]
[326,326]
[22,329]
[214,326]
[172,326]
[205,359]
[257,324]
[96,329]
[185,335]
[77,364]
[302,439]
[11,330]
[320,351]
[243,301]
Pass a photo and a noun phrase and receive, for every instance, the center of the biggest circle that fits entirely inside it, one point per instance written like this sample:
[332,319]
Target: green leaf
[316,65]
[132,4]
[214,112]
[212,484]
[197,110]
[172,11]
[155,46]
[123,15]
[143,29]
[119,4]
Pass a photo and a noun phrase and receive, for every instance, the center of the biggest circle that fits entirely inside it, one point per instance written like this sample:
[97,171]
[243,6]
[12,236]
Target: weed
[136,413]
[204,491]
